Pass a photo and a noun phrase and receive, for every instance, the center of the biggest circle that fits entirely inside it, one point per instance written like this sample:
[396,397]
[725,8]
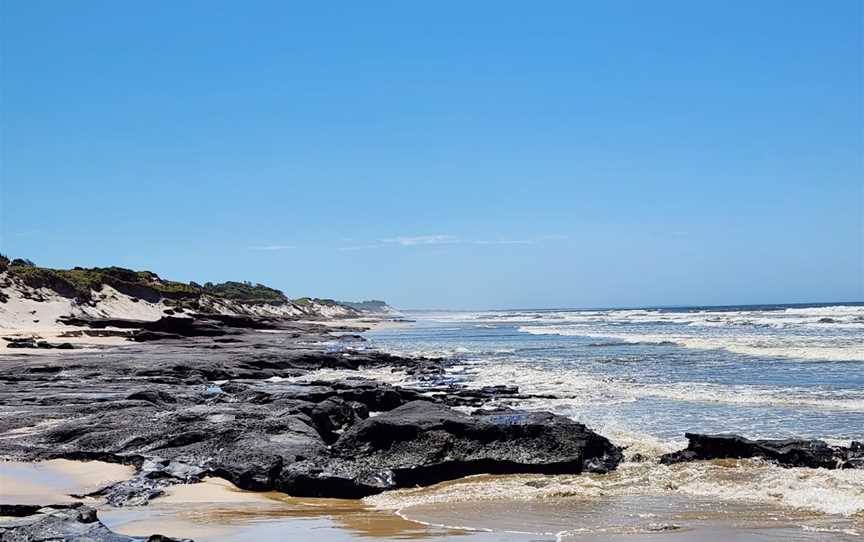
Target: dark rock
[350,338]
[28,342]
[150,481]
[240,321]
[663,527]
[159,408]
[789,453]
[422,443]
[145,336]
[66,523]
[334,414]
[153,396]
[18,510]
[185,327]
[20,342]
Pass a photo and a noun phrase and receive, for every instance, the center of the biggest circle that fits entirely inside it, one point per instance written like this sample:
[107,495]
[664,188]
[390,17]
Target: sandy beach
[250,425]
[217,511]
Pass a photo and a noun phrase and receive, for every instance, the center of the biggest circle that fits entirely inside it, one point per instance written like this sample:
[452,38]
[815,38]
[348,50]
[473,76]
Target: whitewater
[644,377]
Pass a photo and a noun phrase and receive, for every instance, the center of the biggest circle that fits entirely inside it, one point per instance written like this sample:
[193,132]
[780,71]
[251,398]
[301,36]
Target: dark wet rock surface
[788,453]
[218,397]
[421,443]
[29,342]
[66,523]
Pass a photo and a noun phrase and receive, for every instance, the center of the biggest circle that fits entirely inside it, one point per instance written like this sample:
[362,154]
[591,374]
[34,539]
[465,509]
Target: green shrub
[245,292]
[80,282]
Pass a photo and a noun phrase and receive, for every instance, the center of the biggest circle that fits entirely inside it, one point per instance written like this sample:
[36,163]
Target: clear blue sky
[443,154]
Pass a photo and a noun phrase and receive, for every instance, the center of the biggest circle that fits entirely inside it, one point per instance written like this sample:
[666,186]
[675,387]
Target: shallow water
[55,481]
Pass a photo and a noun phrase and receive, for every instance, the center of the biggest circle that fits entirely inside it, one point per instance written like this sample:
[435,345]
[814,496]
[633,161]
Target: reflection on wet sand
[216,510]
[619,506]
[54,481]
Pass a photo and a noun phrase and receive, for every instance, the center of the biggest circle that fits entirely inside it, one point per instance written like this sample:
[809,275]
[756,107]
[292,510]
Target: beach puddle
[57,480]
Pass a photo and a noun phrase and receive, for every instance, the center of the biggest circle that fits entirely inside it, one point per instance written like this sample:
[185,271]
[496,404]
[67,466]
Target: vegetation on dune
[80,282]
[307,301]
[245,292]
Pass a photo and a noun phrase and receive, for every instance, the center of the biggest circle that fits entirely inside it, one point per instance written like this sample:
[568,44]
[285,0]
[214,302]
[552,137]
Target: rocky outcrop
[67,523]
[788,453]
[31,342]
[422,443]
[181,410]
[165,327]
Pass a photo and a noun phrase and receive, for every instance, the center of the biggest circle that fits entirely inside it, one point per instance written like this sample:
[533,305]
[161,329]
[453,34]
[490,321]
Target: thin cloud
[504,242]
[441,239]
[423,240]
[273,247]
[359,247]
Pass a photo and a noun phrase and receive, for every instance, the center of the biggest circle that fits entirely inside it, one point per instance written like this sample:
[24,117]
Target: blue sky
[443,154]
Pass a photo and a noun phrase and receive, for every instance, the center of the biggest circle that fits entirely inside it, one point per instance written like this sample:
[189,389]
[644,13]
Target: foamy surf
[836,492]
[644,498]
[642,378]
[576,387]
[808,348]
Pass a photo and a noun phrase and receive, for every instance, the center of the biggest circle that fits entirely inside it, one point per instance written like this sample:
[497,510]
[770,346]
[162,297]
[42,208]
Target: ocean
[644,377]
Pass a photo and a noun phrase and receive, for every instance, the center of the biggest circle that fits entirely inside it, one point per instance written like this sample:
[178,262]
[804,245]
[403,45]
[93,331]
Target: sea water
[644,377]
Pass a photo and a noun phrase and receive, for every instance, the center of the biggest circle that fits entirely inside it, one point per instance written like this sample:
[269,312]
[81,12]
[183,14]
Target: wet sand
[216,510]
[486,509]
[55,481]
[609,508]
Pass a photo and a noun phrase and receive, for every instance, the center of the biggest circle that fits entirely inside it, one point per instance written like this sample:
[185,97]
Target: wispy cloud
[273,247]
[441,239]
[423,240]
[506,242]
[359,247]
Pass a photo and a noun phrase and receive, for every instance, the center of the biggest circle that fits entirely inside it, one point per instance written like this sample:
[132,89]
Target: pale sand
[30,312]
[57,335]
[370,322]
[55,481]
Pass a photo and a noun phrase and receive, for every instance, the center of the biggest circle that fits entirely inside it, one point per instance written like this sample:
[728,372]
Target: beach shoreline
[480,507]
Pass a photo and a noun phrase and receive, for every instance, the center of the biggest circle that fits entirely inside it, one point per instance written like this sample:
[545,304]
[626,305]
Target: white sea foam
[807,348]
[574,387]
[810,333]
[825,317]
[624,393]
[839,492]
